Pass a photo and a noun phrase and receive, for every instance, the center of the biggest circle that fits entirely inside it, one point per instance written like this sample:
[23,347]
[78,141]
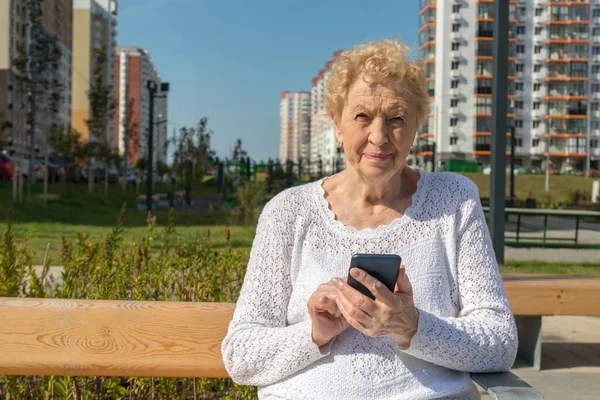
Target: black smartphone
[383,267]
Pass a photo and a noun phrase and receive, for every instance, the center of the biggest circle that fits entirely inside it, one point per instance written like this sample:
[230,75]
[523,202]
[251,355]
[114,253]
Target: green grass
[526,186]
[79,212]
[539,267]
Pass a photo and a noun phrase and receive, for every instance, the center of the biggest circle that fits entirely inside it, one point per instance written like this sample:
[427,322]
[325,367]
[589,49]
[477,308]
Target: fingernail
[355,272]
[337,282]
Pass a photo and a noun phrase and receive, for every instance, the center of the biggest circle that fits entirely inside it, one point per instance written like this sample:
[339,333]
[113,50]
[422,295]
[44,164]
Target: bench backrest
[176,339]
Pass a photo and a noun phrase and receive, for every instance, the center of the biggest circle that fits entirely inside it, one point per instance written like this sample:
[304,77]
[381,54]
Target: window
[454,84]
[595,125]
[520,67]
[536,124]
[456,8]
[454,103]
[595,69]
[537,87]
[455,27]
[453,121]
[518,123]
[595,87]
[519,104]
[537,49]
[536,105]
[453,140]
[455,46]
[538,11]
[520,48]
[454,65]
[535,142]
[594,143]
[538,30]
[518,142]
[520,30]
[595,106]
[537,67]
[595,50]
[519,86]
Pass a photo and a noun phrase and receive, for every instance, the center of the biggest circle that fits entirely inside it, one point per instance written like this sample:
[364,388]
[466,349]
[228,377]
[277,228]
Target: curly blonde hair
[378,61]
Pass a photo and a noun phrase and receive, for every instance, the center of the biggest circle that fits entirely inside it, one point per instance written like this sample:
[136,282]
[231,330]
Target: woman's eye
[398,119]
[361,116]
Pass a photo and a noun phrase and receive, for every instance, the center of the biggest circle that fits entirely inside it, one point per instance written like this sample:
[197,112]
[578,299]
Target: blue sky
[229,60]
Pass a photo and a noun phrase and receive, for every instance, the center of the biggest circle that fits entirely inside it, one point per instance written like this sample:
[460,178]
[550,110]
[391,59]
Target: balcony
[596,114]
[520,75]
[482,147]
[456,36]
[521,56]
[455,54]
[454,92]
[456,17]
[596,95]
[454,111]
[521,38]
[455,73]
[596,20]
[596,58]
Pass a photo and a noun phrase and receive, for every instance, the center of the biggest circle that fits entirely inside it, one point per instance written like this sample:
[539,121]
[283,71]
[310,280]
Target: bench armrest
[506,386]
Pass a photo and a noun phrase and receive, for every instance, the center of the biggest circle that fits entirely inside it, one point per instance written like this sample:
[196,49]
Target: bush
[112,268]
[249,198]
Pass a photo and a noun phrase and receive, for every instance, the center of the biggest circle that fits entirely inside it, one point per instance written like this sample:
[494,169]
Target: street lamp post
[152,89]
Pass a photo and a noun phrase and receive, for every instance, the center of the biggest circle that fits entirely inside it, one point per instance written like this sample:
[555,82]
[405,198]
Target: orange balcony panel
[483,58]
[427,7]
[430,116]
[566,60]
[482,133]
[430,61]
[568,3]
[484,20]
[566,135]
[568,79]
[482,115]
[425,135]
[431,98]
[484,1]
[565,155]
[425,153]
[567,41]
[483,39]
[566,116]
[428,25]
[512,39]
[512,58]
[430,43]
[430,79]
[566,98]
[481,153]
[569,22]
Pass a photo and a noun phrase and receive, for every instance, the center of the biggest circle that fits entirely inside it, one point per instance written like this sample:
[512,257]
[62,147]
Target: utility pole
[32,70]
[152,89]
[499,108]
[512,165]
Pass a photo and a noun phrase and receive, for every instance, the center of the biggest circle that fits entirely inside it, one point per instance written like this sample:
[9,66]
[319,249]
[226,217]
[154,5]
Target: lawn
[79,212]
[533,186]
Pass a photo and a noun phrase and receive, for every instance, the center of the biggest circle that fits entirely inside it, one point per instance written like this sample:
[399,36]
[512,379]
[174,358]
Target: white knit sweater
[465,324]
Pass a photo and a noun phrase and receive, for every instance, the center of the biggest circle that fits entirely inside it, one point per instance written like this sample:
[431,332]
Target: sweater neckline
[338,225]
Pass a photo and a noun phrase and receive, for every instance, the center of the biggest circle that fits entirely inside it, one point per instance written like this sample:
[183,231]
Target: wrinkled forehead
[387,93]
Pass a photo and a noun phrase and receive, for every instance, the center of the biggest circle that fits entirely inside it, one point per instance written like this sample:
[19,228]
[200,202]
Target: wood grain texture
[175,339]
[532,294]
[112,338]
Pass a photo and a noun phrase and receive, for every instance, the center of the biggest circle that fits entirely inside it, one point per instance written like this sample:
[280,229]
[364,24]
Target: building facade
[133,69]
[94,32]
[325,157]
[553,79]
[294,142]
[53,75]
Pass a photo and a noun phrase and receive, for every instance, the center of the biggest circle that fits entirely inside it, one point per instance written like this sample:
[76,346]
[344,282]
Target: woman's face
[377,128]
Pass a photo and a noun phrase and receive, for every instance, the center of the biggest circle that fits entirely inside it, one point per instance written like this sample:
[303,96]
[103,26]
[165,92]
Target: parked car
[6,167]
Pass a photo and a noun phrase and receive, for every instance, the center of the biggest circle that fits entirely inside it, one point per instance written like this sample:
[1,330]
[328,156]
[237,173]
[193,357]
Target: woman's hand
[390,314]
[327,320]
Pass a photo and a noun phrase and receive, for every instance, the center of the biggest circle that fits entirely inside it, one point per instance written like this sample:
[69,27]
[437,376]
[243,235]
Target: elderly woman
[301,332]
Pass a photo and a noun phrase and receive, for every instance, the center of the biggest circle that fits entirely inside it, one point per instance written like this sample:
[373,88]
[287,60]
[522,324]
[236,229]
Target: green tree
[101,111]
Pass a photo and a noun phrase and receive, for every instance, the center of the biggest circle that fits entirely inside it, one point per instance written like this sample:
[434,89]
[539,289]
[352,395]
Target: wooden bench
[533,296]
[66,337]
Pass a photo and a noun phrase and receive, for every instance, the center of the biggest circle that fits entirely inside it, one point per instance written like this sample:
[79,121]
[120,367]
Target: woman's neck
[359,188]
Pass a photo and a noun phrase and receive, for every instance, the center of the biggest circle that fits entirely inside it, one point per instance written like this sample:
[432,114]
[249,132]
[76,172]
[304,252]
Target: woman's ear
[336,129]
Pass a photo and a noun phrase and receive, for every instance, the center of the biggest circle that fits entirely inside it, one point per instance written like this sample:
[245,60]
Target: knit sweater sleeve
[483,337]
[260,347]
